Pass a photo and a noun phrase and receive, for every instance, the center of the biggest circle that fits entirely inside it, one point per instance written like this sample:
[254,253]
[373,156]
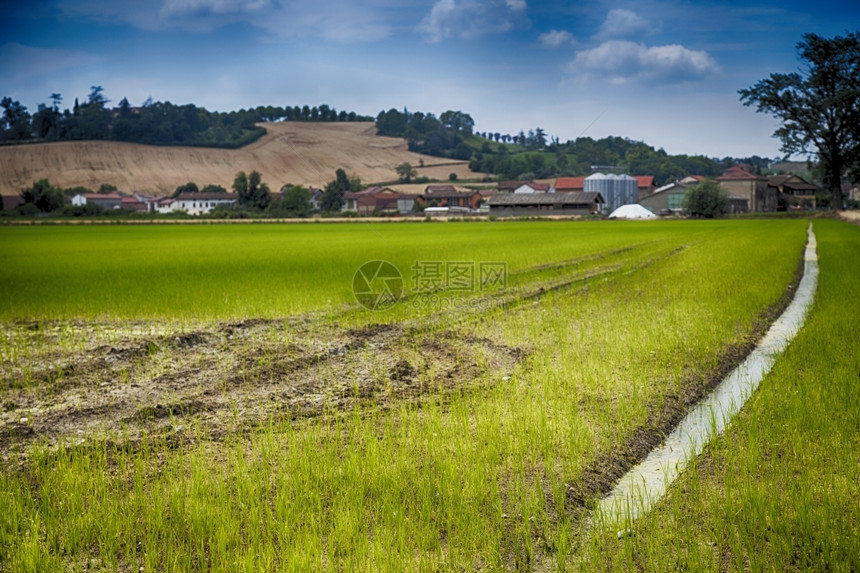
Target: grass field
[186,398]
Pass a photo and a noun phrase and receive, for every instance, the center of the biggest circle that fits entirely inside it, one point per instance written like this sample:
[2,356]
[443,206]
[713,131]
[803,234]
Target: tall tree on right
[819,106]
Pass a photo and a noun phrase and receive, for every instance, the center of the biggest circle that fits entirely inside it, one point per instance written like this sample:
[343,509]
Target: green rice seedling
[778,490]
[490,465]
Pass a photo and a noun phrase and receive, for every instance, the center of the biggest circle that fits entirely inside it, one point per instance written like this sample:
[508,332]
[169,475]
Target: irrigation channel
[643,486]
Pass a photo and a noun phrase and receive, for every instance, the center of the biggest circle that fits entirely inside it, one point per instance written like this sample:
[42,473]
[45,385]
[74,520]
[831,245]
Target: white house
[197,203]
[316,199]
[111,200]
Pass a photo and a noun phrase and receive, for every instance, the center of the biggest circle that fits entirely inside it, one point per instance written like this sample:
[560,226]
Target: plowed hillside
[291,152]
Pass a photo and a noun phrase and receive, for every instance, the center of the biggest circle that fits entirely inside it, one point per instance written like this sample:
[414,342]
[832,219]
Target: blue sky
[662,71]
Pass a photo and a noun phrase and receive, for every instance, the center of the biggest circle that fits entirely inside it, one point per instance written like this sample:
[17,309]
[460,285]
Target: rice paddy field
[258,398]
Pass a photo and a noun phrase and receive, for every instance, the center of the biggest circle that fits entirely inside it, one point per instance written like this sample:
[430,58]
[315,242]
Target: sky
[665,72]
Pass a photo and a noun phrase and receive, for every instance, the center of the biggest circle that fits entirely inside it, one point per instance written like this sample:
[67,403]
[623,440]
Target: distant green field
[236,271]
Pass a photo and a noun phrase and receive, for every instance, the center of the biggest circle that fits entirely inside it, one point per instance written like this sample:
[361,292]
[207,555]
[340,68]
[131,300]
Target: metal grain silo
[617,190]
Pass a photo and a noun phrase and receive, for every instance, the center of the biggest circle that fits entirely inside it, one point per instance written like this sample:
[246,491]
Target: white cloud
[622,62]
[471,18]
[624,24]
[556,38]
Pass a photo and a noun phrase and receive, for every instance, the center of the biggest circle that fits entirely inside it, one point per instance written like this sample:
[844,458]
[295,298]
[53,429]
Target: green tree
[251,190]
[457,121]
[405,171]
[189,187]
[44,196]
[819,107]
[296,202]
[212,188]
[706,199]
[332,199]
[15,123]
[45,122]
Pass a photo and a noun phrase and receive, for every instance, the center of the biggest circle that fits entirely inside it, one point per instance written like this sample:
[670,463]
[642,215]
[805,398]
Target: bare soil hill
[291,152]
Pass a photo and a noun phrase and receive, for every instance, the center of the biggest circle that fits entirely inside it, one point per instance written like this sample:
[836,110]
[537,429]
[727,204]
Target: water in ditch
[639,489]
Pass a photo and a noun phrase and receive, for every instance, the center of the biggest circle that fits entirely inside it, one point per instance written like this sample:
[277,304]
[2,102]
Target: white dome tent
[632,211]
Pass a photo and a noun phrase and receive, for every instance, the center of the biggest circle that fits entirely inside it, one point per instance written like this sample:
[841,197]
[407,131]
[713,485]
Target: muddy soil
[223,377]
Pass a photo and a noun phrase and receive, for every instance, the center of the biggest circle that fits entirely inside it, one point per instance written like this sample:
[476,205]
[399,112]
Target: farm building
[666,199]
[526,204]
[745,184]
[669,198]
[617,190]
[792,190]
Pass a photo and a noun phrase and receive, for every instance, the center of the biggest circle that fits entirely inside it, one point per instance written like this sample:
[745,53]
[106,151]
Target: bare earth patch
[228,375]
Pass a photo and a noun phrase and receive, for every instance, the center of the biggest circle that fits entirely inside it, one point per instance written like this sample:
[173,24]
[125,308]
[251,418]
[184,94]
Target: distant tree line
[535,160]
[533,154]
[153,123]
[445,136]
[305,113]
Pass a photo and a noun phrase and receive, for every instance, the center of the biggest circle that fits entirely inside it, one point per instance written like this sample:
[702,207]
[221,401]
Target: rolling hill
[291,152]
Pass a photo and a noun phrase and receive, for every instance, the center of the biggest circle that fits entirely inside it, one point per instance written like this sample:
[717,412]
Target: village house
[534,188]
[370,200]
[133,205]
[449,196]
[743,183]
[486,194]
[111,200]
[316,199]
[199,203]
[536,204]
[792,191]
